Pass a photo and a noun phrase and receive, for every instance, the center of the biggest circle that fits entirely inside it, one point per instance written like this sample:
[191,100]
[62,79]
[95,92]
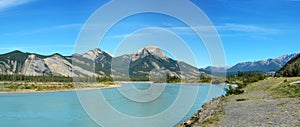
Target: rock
[35,66]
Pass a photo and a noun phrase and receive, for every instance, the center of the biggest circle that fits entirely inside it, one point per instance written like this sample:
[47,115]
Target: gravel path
[280,112]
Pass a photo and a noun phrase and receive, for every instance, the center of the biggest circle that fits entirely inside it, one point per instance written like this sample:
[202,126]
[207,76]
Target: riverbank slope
[270,102]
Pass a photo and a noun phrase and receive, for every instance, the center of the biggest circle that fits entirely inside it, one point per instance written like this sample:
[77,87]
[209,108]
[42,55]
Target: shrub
[241,99]
[235,91]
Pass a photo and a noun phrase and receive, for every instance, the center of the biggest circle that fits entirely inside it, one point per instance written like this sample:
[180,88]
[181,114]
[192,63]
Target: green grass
[287,90]
[49,86]
[216,117]
[281,104]
[298,124]
[212,120]
[14,86]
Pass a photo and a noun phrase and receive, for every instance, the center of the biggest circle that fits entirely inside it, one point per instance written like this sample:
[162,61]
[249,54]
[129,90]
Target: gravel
[275,112]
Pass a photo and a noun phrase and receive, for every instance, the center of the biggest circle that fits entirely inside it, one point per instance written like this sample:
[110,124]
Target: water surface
[62,109]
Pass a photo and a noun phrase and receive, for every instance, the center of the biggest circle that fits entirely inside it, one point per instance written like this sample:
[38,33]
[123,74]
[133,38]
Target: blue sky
[250,30]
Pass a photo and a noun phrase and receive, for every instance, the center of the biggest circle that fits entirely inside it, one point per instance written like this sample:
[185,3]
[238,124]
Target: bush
[234,91]
[241,99]
[242,79]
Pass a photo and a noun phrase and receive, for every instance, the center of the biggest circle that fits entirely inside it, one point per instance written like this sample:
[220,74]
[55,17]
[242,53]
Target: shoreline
[207,111]
[32,91]
[92,86]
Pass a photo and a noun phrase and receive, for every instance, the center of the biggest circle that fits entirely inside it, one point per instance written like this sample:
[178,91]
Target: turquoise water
[62,109]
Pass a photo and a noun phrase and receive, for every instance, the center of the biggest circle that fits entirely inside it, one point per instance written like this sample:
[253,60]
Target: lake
[63,109]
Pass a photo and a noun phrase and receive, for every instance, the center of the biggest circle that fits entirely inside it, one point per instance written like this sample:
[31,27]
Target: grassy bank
[269,102]
[286,89]
[28,87]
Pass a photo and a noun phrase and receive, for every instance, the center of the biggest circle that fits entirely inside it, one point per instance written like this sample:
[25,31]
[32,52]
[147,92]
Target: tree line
[26,78]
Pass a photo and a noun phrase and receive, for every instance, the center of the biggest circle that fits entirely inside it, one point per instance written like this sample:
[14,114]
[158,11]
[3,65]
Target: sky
[249,30]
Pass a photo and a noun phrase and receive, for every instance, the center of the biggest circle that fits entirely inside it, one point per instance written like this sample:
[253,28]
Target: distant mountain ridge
[256,66]
[263,65]
[147,62]
[209,69]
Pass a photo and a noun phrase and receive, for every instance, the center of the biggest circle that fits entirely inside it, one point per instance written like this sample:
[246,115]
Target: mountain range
[149,62]
[268,65]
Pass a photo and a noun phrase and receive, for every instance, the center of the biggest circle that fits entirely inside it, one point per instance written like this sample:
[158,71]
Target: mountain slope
[17,62]
[36,66]
[59,65]
[12,62]
[92,63]
[291,68]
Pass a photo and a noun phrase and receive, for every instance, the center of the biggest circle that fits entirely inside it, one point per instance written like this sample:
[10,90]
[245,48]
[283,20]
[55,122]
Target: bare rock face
[59,65]
[155,51]
[3,67]
[35,66]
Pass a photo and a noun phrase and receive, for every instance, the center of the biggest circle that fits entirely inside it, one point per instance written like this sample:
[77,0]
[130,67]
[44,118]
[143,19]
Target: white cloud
[253,31]
[53,28]
[247,28]
[5,4]
[198,28]
[231,27]
[227,29]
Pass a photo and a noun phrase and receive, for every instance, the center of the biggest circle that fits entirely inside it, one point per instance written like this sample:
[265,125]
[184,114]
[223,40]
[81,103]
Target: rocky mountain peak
[93,54]
[155,51]
[56,55]
[97,50]
[149,50]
